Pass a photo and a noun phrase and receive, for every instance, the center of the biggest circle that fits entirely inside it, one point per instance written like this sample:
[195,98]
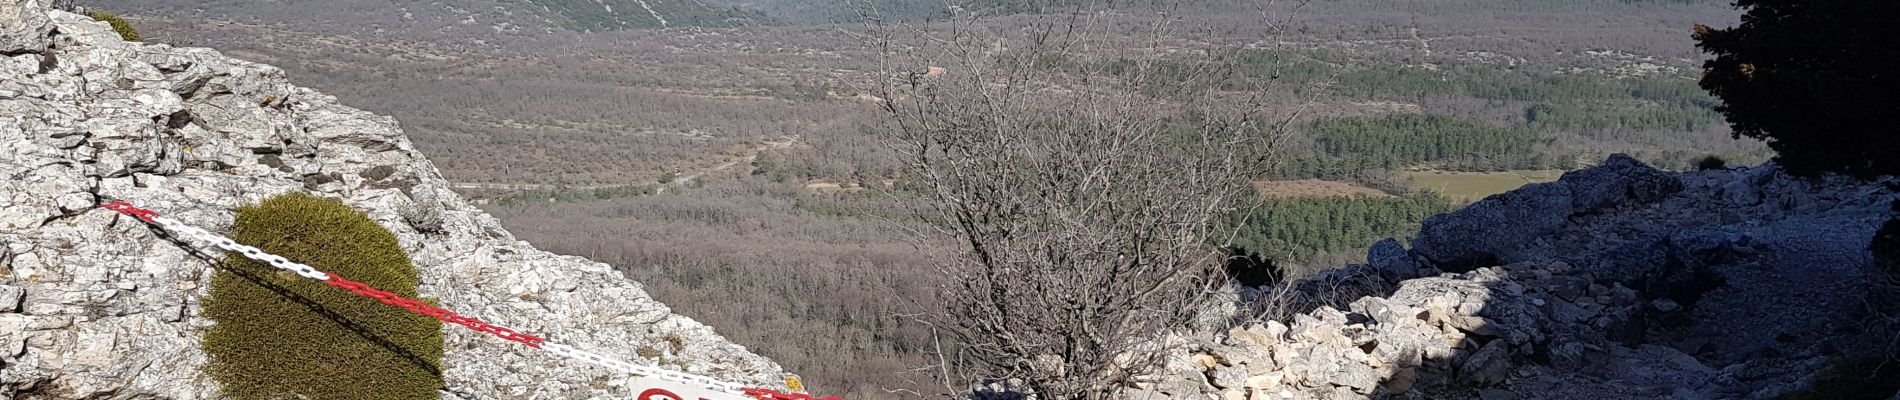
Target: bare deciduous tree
[1080,168]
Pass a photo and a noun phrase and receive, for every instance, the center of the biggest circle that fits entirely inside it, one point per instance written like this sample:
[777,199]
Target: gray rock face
[1761,261]
[1476,235]
[26,29]
[1425,336]
[1390,259]
[1492,231]
[1489,366]
[10,298]
[96,305]
[1620,181]
[1619,281]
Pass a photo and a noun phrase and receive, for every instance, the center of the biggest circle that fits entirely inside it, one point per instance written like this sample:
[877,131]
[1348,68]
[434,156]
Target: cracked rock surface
[96,305]
[1615,282]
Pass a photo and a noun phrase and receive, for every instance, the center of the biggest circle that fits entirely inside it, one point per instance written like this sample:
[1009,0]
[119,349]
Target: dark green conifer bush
[118,24]
[1813,78]
[281,336]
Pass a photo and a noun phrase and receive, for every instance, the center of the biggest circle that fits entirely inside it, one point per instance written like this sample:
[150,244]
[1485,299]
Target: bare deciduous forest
[818,282]
[805,252]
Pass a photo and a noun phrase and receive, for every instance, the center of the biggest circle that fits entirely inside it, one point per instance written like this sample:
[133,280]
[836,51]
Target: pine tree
[1813,78]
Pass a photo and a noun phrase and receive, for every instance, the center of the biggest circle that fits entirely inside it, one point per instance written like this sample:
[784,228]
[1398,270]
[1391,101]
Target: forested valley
[729,164]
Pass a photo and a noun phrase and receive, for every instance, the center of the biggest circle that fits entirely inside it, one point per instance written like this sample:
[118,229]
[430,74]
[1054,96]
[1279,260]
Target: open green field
[1466,187]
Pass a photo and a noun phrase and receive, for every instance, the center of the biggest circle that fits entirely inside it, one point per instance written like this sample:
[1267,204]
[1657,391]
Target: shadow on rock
[1618,281]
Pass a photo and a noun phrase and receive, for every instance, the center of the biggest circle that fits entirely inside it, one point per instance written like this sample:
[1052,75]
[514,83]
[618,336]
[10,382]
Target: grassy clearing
[1313,188]
[1466,187]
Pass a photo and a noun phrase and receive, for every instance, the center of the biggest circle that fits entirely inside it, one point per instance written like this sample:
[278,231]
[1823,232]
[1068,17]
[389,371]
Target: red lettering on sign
[661,394]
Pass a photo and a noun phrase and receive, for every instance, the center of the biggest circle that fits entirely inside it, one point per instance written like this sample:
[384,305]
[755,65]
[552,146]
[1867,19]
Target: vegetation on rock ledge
[283,336]
[118,24]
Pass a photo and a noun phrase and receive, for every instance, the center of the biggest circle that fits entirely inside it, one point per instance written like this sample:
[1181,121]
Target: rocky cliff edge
[95,305]
[1615,282]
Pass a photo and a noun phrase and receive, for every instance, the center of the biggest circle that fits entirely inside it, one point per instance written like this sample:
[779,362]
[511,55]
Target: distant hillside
[605,15]
[844,11]
[832,11]
[478,18]
[486,18]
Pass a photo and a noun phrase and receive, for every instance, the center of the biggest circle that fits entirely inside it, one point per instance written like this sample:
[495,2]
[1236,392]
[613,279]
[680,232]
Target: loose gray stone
[1489,366]
[1391,260]
[1665,305]
[10,298]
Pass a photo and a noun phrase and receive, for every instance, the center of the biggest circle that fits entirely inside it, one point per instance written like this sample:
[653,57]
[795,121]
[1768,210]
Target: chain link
[200,235]
[418,307]
[623,366]
[769,394]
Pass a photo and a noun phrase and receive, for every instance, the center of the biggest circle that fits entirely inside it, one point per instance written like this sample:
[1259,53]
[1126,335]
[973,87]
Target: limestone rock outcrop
[96,305]
[1617,281]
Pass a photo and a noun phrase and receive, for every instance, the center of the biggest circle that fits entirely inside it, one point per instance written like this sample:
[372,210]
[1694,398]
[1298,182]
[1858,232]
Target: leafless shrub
[1336,288]
[1079,170]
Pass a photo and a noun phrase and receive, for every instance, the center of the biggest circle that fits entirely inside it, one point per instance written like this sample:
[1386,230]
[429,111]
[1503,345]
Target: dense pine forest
[1481,113]
[1303,231]
[1392,142]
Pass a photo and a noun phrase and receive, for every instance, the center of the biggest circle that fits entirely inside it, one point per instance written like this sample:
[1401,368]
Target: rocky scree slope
[96,305]
[1615,282]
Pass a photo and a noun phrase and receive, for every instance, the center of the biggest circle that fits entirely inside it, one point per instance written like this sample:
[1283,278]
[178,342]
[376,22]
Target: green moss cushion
[280,336]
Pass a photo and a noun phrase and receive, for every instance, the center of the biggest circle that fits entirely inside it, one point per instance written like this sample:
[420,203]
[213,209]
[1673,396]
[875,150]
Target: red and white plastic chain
[331,279]
[365,290]
[768,394]
[418,307]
